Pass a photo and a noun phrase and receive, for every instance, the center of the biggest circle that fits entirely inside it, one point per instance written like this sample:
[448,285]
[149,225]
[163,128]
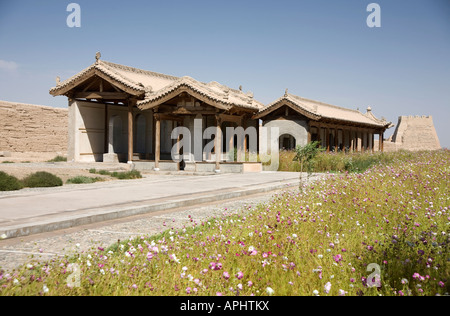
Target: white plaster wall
[86,131]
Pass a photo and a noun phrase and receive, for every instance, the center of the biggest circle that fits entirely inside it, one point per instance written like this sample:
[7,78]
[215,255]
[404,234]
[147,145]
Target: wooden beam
[101,95]
[230,118]
[168,117]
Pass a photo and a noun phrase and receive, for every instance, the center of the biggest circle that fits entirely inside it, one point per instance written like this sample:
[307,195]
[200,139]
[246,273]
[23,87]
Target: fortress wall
[32,128]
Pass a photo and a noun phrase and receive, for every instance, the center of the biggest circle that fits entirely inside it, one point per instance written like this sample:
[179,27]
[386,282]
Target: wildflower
[45,289]
[188,290]
[270,291]
[342,292]
[441,284]
[404,281]
[316,293]
[249,283]
[226,275]
[240,275]
[239,286]
[218,294]
[337,258]
[327,287]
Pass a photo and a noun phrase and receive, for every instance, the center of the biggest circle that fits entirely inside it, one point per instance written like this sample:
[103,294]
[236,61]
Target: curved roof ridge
[138,70]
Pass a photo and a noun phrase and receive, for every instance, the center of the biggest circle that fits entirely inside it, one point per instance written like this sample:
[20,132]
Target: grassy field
[384,231]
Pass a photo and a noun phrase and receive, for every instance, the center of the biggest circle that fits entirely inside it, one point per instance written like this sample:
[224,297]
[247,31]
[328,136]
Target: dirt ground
[21,172]
[21,165]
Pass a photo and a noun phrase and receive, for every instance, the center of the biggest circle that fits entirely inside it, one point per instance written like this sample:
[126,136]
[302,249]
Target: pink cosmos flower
[337,258]
[226,275]
[240,275]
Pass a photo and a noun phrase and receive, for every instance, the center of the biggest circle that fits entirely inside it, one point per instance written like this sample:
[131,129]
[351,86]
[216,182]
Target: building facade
[124,114]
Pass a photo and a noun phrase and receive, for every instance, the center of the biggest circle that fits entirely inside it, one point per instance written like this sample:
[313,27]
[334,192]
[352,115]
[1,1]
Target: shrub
[134,174]
[58,159]
[42,179]
[9,183]
[83,180]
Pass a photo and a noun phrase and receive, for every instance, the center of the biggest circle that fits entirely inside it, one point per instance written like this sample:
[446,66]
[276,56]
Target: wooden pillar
[157,141]
[373,143]
[336,140]
[245,145]
[178,146]
[361,145]
[130,131]
[218,143]
[327,130]
[382,141]
[309,134]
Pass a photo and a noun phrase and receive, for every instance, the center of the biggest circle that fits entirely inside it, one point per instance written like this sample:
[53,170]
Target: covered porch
[155,121]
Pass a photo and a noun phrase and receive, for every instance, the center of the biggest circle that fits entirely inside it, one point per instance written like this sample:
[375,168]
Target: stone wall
[32,128]
[414,133]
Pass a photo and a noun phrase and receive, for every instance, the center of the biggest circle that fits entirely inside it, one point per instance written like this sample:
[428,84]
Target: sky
[318,49]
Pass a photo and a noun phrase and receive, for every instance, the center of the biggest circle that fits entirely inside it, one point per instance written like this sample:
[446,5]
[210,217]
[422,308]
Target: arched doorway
[287,142]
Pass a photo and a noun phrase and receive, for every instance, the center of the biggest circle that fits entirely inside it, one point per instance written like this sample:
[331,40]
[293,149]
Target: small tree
[305,154]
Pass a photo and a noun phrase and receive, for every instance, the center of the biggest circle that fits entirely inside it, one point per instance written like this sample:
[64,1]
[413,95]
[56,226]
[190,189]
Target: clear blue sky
[319,49]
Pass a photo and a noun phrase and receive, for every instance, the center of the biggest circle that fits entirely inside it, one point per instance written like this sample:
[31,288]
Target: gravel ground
[16,252]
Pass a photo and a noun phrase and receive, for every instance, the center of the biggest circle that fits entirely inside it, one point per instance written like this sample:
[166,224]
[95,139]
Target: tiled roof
[155,88]
[321,111]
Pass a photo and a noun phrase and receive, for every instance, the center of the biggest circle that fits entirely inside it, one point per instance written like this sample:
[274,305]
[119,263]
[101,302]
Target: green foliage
[306,154]
[83,180]
[9,183]
[58,159]
[124,175]
[42,179]
[337,162]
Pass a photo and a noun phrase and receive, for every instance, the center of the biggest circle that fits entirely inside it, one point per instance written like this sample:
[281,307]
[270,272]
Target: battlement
[416,132]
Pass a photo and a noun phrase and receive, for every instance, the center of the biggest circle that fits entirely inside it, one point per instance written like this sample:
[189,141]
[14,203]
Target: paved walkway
[32,211]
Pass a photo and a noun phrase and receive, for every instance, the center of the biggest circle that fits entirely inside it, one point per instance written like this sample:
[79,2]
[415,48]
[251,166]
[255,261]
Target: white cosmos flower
[270,291]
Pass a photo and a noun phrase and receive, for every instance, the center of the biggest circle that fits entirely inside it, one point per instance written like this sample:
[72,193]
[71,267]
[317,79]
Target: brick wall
[32,128]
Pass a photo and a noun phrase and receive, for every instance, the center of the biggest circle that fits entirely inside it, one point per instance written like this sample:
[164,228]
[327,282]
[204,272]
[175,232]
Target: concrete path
[32,211]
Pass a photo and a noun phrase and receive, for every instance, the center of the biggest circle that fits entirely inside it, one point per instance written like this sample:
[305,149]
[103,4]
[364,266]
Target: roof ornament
[97,56]
[240,88]
[58,80]
[369,109]
[286,93]
[227,94]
